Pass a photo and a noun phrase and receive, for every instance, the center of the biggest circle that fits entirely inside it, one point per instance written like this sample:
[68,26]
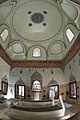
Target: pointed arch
[36,85]
[72,87]
[36,76]
[20,89]
[53,89]
[36,52]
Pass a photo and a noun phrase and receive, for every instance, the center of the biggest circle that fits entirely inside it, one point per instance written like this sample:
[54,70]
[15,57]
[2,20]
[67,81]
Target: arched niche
[72,87]
[36,76]
[20,89]
[17,50]
[53,89]
[4,85]
[36,53]
[36,86]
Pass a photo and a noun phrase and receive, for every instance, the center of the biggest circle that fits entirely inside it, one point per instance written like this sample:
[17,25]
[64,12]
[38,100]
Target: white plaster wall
[46,75]
[75,68]
[4,70]
[26,77]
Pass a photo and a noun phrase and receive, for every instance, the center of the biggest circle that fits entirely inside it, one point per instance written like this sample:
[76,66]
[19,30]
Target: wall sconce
[21,71]
[52,71]
[43,69]
[5,79]
[29,70]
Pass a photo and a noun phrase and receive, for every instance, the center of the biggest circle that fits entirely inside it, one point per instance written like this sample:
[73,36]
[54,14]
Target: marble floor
[4,109]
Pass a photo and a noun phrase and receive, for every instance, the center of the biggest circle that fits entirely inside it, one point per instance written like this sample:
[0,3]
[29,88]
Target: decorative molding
[30,38]
[52,45]
[52,83]
[36,76]
[72,78]
[37,17]
[20,82]
[72,52]
[43,63]
[1,1]
[4,56]
[37,64]
[14,43]
[76,1]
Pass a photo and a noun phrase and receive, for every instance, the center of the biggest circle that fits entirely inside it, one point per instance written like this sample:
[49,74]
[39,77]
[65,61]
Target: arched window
[72,87]
[36,86]
[36,78]
[69,34]
[53,89]
[4,85]
[36,52]
[20,89]
[4,35]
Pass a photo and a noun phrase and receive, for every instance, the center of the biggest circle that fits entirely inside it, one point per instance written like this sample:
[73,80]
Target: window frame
[4,87]
[36,89]
[68,36]
[17,91]
[56,96]
[70,91]
[33,53]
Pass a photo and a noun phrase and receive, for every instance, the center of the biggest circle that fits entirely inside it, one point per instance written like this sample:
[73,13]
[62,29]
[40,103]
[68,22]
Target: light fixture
[21,71]
[52,71]
[5,78]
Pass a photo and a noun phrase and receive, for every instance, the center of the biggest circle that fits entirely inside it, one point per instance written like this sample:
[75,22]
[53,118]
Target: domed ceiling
[38,29]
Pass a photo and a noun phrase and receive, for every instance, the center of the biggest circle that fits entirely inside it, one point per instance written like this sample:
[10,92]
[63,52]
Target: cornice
[37,64]
[43,63]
